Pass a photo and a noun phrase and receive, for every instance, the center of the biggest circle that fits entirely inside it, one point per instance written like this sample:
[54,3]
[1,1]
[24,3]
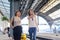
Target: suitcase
[23,37]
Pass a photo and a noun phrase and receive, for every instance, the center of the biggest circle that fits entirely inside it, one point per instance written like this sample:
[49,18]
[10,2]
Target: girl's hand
[37,29]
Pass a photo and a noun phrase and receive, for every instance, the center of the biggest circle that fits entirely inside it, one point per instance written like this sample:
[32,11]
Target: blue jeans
[32,33]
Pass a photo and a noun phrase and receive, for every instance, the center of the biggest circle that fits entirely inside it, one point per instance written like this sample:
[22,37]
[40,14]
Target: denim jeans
[32,33]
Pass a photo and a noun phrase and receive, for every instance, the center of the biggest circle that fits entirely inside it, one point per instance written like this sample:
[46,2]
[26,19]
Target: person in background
[33,24]
[16,25]
[8,31]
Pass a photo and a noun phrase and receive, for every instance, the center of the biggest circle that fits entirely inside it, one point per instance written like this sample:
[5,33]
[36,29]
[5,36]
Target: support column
[14,5]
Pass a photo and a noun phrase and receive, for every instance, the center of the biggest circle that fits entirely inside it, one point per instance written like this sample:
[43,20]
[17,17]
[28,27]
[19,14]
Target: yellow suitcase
[23,37]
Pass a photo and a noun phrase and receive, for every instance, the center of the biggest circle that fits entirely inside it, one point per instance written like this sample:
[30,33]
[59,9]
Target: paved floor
[5,37]
[49,36]
[42,36]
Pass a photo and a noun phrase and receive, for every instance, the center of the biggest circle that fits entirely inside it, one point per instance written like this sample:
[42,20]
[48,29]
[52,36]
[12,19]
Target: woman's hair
[29,11]
[17,12]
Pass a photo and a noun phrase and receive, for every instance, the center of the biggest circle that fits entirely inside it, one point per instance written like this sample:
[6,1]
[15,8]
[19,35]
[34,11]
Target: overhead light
[55,14]
[21,2]
[49,5]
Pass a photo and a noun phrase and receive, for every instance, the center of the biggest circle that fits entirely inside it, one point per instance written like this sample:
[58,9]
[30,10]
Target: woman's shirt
[33,22]
[17,21]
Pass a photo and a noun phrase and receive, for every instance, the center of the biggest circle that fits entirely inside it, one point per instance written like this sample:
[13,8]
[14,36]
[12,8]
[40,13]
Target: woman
[32,24]
[16,25]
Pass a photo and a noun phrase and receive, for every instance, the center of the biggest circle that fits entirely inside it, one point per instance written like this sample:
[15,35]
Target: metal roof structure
[48,9]
[5,7]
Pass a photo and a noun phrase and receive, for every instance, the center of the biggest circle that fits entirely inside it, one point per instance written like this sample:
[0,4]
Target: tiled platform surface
[49,36]
[5,37]
[45,35]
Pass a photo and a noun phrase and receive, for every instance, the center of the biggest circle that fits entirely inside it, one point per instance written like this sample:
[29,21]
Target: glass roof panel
[0,3]
[49,6]
[5,1]
[5,7]
[0,0]
[55,14]
[1,7]
[57,21]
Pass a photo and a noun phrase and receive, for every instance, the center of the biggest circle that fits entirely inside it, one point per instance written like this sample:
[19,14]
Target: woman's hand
[37,29]
[11,23]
